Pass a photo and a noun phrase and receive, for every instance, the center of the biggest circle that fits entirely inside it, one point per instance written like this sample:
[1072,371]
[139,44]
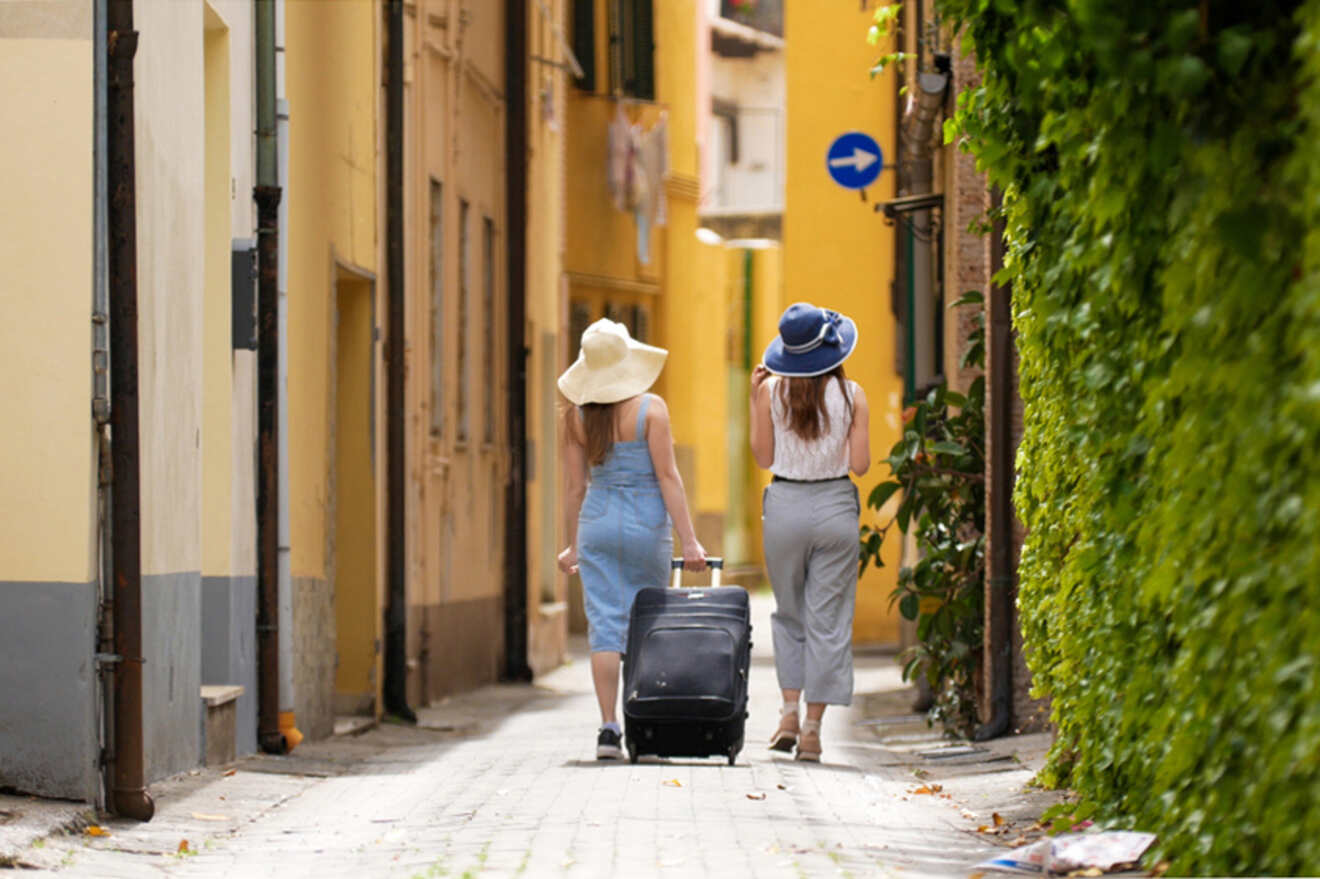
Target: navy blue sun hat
[811,341]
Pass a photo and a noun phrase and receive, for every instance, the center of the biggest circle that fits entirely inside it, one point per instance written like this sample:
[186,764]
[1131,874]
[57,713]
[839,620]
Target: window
[579,318]
[464,325]
[584,42]
[632,42]
[437,310]
[488,326]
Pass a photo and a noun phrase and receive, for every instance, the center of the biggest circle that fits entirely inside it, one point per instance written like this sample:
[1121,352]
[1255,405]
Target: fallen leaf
[758,795]
[998,819]
[203,816]
[183,846]
[782,786]
[976,876]
[1089,871]
[229,772]
[672,782]
[96,830]
[1019,842]
[921,790]
[1160,869]
[983,829]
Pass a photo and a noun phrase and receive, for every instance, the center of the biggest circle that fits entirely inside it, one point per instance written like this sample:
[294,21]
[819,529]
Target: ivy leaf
[945,447]
[908,605]
[1233,49]
[1183,76]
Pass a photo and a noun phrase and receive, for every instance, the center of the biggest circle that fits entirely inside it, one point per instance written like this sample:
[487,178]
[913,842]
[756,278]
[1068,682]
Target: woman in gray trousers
[810,427]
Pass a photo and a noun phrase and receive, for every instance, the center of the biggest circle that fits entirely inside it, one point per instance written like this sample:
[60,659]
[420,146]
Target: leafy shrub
[939,466]
[1162,196]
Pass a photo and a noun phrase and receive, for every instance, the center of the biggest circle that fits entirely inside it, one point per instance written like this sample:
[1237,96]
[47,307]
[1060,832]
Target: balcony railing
[764,15]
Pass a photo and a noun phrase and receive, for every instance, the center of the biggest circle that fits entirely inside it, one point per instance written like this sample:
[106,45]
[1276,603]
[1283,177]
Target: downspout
[128,795]
[916,176]
[287,719]
[999,479]
[396,606]
[516,667]
[105,646]
[267,195]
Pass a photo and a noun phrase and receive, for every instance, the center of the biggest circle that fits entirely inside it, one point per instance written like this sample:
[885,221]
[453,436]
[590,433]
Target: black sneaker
[609,745]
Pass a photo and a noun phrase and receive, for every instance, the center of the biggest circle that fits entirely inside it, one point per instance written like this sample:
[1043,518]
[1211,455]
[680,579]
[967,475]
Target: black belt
[778,478]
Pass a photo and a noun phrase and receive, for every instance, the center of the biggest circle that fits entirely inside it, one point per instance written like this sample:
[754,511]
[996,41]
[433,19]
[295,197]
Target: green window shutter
[584,42]
[643,50]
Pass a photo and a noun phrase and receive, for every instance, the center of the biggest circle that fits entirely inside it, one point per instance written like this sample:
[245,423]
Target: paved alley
[503,782]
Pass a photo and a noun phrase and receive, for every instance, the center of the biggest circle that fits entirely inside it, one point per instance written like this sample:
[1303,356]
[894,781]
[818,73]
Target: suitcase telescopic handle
[714,563]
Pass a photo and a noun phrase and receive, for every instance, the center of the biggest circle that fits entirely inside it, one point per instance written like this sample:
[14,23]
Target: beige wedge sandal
[808,746]
[787,735]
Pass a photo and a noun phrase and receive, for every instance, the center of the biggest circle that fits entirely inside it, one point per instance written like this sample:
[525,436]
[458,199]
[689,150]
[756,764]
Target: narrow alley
[503,782]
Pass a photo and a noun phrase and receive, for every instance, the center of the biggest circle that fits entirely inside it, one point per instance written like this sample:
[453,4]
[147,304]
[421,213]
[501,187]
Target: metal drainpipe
[105,646]
[267,195]
[999,649]
[516,667]
[283,575]
[128,794]
[916,177]
[396,608]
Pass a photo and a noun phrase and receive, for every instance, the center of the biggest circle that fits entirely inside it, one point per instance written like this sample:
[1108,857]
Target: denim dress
[624,538]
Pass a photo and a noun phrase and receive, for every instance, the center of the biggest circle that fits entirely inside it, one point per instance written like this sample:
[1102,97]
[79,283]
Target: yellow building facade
[335,373]
[837,251]
[643,63]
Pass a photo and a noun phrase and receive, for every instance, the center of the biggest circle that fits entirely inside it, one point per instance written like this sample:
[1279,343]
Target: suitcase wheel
[632,752]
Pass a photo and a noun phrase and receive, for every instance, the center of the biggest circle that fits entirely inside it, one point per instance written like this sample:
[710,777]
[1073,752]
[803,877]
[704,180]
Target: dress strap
[641,417]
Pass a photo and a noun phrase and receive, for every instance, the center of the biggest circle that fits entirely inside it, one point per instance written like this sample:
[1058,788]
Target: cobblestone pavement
[503,782]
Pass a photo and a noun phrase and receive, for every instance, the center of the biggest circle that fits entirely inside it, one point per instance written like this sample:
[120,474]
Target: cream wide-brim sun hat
[611,366]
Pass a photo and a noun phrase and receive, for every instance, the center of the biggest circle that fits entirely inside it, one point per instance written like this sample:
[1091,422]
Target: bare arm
[760,428]
[575,487]
[660,442]
[859,434]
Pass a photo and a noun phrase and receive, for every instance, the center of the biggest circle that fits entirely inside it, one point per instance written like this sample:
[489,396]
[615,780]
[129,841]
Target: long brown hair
[598,425]
[804,401]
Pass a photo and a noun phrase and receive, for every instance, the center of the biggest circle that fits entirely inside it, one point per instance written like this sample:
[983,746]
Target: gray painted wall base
[172,675]
[48,716]
[314,657]
[229,647]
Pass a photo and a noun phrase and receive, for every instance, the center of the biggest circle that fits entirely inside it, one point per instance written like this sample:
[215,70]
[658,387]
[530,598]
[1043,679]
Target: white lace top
[825,457]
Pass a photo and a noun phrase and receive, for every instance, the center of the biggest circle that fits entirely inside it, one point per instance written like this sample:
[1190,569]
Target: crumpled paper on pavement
[1104,850]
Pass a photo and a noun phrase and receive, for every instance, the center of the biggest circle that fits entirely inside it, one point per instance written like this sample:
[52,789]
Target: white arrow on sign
[860,160]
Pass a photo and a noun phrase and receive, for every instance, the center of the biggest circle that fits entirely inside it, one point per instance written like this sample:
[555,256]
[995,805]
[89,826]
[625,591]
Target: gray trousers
[811,553]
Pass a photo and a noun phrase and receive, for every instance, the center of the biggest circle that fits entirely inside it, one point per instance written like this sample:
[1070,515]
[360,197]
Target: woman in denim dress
[623,497]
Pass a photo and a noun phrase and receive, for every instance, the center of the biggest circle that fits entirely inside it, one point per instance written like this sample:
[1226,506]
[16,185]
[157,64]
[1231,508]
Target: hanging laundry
[655,162]
[636,165]
[616,160]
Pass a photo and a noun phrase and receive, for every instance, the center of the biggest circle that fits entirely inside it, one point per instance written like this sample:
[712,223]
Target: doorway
[353,559]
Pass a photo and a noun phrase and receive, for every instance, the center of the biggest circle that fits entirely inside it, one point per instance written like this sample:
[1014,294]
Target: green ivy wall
[1162,176]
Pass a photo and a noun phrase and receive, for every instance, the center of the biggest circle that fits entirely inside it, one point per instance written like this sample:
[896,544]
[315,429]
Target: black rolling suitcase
[685,672]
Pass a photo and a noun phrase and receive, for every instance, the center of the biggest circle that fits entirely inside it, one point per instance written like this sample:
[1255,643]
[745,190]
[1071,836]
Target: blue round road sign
[854,160]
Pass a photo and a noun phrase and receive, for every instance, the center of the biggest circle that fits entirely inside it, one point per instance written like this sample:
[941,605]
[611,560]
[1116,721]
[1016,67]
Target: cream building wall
[229,373]
[170,141]
[48,723]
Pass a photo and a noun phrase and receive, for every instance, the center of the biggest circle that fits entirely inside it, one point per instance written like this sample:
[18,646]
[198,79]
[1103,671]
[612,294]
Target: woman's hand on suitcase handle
[568,561]
[694,555]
